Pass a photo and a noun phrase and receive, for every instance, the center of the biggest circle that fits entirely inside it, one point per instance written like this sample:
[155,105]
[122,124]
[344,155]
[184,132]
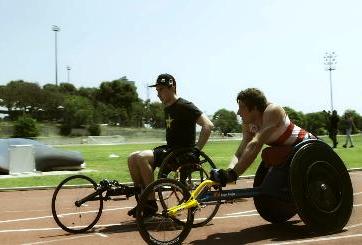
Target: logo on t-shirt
[169,121]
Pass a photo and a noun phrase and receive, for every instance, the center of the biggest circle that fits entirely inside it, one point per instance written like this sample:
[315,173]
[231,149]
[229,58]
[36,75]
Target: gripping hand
[223,176]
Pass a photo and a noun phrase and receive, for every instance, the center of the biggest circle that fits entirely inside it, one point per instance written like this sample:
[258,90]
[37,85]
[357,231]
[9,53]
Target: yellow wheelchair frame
[191,202]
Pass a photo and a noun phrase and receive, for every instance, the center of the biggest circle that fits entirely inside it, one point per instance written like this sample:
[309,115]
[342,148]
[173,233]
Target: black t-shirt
[180,121]
[334,119]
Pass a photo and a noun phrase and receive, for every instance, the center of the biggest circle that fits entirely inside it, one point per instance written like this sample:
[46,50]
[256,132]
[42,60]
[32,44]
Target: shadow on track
[291,230]
[127,226]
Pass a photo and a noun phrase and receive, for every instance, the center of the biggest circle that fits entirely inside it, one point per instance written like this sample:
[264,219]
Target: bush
[65,130]
[94,130]
[25,127]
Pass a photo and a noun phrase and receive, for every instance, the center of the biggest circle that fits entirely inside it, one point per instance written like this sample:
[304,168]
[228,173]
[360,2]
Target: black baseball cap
[166,80]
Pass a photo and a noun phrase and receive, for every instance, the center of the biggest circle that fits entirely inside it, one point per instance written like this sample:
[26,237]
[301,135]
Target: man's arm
[272,119]
[354,125]
[247,137]
[250,152]
[206,127]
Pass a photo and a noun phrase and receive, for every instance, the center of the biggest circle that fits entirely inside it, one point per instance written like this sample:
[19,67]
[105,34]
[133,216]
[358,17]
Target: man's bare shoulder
[273,115]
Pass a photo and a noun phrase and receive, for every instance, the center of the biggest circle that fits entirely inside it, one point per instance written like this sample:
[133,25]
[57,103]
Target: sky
[214,48]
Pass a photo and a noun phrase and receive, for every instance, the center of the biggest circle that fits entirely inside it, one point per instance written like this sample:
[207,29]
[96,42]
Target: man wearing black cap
[181,117]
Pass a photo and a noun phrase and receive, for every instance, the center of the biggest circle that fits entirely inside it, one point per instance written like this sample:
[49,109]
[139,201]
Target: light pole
[330,63]
[56,29]
[68,73]
[147,92]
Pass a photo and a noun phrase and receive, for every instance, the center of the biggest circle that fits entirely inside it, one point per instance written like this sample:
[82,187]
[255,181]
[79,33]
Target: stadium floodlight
[68,73]
[56,29]
[330,65]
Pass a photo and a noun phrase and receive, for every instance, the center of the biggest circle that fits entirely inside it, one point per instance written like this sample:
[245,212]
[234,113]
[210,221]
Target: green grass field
[97,158]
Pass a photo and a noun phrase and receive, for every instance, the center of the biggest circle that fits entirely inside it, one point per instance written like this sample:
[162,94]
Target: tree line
[113,102]
[117,103]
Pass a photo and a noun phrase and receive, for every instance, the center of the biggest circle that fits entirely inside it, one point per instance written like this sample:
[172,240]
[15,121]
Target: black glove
[223,176]
[192,156]
[195,154]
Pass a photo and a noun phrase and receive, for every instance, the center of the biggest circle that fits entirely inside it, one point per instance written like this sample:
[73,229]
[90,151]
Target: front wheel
[191,174]
[161,228]
[71,216]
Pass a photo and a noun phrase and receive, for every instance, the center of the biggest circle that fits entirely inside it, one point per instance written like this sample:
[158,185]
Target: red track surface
[25,218]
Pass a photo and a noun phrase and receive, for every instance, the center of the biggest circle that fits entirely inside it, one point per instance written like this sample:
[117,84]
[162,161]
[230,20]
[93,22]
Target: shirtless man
[263,123]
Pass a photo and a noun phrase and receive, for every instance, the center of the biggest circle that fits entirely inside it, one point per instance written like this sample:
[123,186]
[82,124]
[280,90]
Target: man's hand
[195,154]
[223,176]
[192,156]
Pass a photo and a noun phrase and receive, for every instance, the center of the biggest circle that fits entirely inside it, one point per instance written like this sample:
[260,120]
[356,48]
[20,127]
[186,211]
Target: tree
[122,95]
[20,96]
[67,88]
[51,106]
[226,121]
[137,116]
[103,113]
[94,129]
[78,111]
[89,93]
[154,115]
[296,117]
[25,127]
[51,87]
[316,123]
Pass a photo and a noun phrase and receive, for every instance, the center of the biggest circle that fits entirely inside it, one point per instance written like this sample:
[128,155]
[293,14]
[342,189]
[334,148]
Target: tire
[66,214]
[161,229]
[271,209]
[191,174]
[321,188]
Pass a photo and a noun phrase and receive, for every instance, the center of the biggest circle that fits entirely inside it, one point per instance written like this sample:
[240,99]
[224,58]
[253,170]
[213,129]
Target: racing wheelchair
[308,179]
[77,201]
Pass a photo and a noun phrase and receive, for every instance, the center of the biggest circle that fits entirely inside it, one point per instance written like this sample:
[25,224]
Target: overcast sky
[213,48]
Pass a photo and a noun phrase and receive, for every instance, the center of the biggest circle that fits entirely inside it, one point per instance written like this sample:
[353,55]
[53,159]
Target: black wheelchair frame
[107,190]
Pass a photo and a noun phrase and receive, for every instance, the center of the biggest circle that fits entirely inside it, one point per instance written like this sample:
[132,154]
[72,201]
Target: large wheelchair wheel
[321,188]
[69,216]
[161,228]
[270,208]
[177,165]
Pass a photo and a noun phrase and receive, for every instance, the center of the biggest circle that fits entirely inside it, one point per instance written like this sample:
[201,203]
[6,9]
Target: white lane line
[226,217]
[26,219]
[58,240]
[353,226]
[60,215]
[54,228]
[235,216]
[244,212]
[101,234]
[355,173]
[107,225]
[118,224]
[23,211]
[114,209]
[33,229]
[318,239]
[357,193]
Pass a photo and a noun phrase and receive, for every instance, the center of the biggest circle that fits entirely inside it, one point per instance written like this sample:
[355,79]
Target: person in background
[350,126]
[333,127]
